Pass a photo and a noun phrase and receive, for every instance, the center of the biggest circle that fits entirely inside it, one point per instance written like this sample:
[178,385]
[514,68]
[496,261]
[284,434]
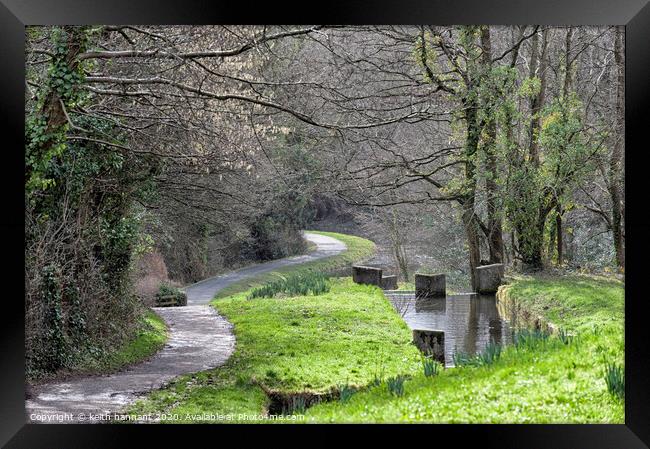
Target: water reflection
[469,321]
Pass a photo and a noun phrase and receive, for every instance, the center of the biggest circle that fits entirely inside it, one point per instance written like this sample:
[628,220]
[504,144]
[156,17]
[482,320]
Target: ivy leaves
[47,124]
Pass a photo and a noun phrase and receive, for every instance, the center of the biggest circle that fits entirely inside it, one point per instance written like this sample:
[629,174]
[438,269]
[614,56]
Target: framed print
[379,215]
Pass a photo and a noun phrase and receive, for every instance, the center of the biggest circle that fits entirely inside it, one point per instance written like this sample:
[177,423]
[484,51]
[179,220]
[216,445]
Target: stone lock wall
[389,282]
[373,276]
[430,285]
[489,277]
[430,343]
[366,275]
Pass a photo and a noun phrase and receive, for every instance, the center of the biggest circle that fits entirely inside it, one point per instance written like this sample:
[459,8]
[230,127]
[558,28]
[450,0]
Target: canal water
[469,321]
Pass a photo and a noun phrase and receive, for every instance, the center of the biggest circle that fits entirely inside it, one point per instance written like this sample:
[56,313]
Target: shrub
[170,296]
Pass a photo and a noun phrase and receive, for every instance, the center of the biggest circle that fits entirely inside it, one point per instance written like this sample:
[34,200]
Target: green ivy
[88,191]
[46,143]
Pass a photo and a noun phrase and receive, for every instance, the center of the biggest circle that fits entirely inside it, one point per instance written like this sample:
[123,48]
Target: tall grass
[565,337]
[376,380]
[490,354]
[529,338]
[615,380]
[430,366]
[396,385]
[297,285]
[346,392]
[297,407]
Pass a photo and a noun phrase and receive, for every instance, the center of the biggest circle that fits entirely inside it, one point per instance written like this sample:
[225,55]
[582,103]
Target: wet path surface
[199,339]
[469,321]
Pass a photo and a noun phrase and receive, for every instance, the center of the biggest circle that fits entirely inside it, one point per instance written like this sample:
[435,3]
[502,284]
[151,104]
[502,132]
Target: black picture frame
[634,14]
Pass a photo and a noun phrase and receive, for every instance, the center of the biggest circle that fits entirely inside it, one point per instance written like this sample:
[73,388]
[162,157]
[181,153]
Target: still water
[469,321]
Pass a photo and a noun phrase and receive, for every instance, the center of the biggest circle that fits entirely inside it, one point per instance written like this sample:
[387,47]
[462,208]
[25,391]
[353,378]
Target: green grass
[358,249]
[313,344]
[349,341]
[544,380]
[150,338]
[577,303]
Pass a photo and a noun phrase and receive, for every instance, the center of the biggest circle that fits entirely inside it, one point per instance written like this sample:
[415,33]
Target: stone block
[389,282]
[489,277]
[366,275]
[430,343]
[430,285]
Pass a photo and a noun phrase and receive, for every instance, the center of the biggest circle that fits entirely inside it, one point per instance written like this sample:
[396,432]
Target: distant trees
[211,143]
[511,124]
[139,137]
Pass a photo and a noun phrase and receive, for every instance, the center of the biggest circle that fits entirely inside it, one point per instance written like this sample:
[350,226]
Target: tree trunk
[59,89]
[512,150]
[551,244]
[494,222]
[616,161]
[566,87]
[53,108]
[555,244]
[469,214]
[531,241]
[558,227]
[569,247]
[399,253]
[402,264]
[473,242]
[538,66]
[567,63]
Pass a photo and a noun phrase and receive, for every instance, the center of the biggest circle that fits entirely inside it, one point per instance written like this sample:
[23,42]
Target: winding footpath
[199,339]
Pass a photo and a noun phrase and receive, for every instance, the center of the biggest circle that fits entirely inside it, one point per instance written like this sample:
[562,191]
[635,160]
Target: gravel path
[199,339]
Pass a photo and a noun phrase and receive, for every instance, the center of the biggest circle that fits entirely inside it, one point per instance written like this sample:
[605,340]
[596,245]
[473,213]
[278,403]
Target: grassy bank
[302,344]
[350,338]
[150,338]
[358,249]
[578,303]
[540,380]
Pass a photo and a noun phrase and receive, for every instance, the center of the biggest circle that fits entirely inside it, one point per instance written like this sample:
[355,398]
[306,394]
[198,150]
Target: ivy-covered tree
[81,230]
